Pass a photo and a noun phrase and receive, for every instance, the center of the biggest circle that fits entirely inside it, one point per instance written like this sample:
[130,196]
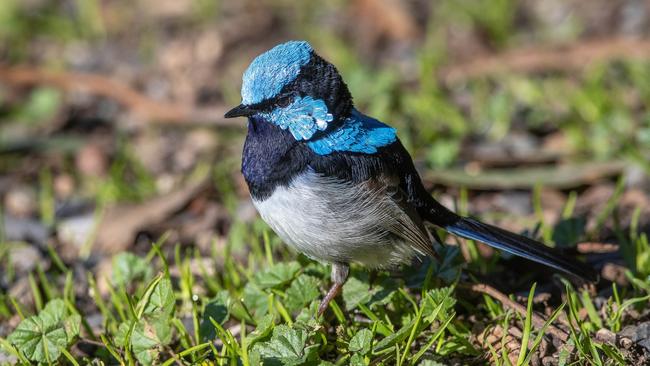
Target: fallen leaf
[120,225]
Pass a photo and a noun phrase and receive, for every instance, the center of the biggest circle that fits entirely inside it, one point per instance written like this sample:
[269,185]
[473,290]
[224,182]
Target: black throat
[271,157]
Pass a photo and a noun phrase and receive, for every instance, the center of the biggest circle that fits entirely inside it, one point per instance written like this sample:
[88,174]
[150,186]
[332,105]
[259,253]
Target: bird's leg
[340,273]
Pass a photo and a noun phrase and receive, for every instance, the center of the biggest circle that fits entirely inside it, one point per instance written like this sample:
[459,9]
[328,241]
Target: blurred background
[530,114]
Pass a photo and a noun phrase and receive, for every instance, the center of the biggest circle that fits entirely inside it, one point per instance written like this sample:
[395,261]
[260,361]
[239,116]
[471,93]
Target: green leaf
[361,342]
[384,290]
[303,291]
[41,337]
[445,268]
[162,299]
[287,347]
[72,325]
[264,327]
[279,274]
[218,309]
[357,360]
[256,300]
[154,328]
[149,334]
[433,299]
[120,335]
[395,338]
[129,268]
[568,232]
[307,316]
[53,313]
[38,341]
[356,291]
[254,357]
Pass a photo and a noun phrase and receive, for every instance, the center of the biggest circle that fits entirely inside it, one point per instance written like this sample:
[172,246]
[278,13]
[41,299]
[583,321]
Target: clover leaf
[41,337]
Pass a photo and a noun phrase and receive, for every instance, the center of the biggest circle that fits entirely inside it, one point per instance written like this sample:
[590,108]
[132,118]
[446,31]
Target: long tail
[519,245]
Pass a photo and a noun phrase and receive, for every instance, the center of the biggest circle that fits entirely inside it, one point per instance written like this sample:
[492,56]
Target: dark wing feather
[403,220]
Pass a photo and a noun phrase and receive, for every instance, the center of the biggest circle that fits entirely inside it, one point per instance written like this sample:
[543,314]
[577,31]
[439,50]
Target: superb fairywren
[338,185]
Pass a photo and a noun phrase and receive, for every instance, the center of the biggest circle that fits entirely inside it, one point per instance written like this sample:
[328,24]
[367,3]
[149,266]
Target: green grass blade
[527,326]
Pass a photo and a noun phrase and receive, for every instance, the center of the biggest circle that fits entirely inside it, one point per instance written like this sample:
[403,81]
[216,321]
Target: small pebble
[24,258]
[21,202]
[64,186]
[76,231]
[92,161]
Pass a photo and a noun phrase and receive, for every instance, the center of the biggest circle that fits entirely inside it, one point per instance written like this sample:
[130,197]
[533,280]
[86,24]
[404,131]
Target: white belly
[333,221]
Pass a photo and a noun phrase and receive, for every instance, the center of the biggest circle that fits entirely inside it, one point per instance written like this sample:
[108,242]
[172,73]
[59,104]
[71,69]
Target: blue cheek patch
[274,69]
[358,133]
[303,117]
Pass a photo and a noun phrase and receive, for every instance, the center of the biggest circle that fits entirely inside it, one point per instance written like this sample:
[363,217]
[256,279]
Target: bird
[338,185]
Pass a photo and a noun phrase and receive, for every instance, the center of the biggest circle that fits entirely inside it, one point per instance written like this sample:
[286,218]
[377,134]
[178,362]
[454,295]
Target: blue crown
[273,70]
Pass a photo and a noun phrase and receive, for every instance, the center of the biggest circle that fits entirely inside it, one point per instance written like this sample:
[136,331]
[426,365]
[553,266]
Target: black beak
[241,110]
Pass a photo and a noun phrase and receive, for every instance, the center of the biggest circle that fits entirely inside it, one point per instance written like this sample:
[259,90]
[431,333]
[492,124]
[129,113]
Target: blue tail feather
[519,245]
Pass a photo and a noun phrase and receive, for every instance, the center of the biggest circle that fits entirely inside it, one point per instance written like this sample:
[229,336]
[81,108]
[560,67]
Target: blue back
[358,133]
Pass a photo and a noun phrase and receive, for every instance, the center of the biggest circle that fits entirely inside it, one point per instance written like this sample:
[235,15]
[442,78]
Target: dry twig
[594,247]
[548,58]
[561,177]
[537,320]
[145,108]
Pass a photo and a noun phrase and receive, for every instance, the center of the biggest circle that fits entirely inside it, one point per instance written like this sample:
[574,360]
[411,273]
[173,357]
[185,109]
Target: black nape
[320,79]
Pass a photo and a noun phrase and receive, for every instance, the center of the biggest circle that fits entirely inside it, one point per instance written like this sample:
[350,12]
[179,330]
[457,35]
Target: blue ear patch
[272,70]
[358,133]
[303,117]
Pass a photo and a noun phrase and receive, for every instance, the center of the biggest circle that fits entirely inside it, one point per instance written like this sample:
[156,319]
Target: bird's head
[295,89]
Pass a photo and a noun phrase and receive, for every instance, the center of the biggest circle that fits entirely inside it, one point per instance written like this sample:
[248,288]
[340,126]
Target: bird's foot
[339,275]
[331,294]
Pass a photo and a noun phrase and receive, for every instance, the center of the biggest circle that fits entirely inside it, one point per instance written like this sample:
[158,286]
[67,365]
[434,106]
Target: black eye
[283,102]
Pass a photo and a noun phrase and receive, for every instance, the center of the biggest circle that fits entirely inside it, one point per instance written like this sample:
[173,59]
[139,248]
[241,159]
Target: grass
[165,308]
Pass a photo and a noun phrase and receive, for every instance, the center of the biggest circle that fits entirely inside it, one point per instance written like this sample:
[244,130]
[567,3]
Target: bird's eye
[283,102]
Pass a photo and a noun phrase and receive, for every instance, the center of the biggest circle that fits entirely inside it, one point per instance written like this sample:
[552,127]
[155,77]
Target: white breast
[334,221]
